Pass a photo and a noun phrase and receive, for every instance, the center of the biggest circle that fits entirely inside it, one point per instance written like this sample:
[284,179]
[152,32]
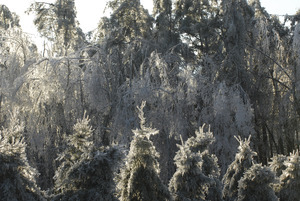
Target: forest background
[228,64]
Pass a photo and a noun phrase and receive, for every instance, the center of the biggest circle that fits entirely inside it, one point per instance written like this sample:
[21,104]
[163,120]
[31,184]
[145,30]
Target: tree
[210,166]
[86,172]
[57,23]
[131,19]
[277,164]
[243,161]
[8,19]
[237,14]
[296,47]
[268,47]
[15,46]
[79,147]
[139,179]
[199,23]
[289,186]
[17,177]
[92,177]
[164,30]
[255,184]
[197,171]
[229,112]
[127,40]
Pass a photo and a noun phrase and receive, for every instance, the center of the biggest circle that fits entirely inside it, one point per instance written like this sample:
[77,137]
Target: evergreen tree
[164,31]
[17,177]
[127,41]
[255,184]
[209,166]
[91,178]
[197,170]
[131,19]
[243,161]
[78,147]
[139,179]
[277,164]
[199,23]
[237,15]
[86,173]
[57,22]
[289,186]
[8,19]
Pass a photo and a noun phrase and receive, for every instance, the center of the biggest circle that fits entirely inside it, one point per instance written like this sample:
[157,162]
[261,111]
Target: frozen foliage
[197,170]
[86,172]
[225,63]
[198,22]
[139,179]
[242,162]
[79,146]
[232,116]
[277,164]
[290,178]
[210,165]
[188,182]
[17,177]
[8,19]
[255,184]
[81,140]
[130,18]
[91,177]
[57,22]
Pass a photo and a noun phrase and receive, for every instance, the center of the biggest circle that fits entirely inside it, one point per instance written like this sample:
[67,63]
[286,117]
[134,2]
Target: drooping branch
[272,59]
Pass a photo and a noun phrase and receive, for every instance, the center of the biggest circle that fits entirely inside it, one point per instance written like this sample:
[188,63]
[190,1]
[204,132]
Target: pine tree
[131,19]
[210,165]
[17,177]
[8,19]
[79,146]
[199,23]
[139,180]
[197,170]
[277,164]
[86,172]
[57,23]
[256,184]
[127,41]
[290,179]
[92,177]
[164,31]
[237,15]
[243,161]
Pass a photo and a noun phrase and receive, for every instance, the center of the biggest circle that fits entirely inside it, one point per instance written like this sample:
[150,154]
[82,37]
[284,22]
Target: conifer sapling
[139,179]
[17,177]
[242,162]
[290,178]
[256,184]
[87,172]
[196,170]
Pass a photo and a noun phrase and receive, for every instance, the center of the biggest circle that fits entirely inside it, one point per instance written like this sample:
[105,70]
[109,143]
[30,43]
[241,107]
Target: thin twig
[271,60]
